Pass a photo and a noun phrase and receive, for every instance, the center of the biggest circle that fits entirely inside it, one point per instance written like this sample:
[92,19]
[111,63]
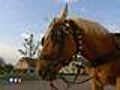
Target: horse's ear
[64,12]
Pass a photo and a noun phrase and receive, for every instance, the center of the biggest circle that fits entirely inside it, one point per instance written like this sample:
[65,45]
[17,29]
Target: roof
[26,62]
[30,61]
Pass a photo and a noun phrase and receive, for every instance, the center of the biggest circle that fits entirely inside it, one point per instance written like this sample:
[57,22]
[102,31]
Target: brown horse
[67,37]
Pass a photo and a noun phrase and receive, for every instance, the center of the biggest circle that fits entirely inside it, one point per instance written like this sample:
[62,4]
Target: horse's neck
[96,41]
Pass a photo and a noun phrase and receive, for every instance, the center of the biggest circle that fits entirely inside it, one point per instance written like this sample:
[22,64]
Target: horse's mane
[97,38]
[89,24]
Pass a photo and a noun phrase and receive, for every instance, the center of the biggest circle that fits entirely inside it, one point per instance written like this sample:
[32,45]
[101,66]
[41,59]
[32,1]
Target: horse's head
[63,40]
[58,46]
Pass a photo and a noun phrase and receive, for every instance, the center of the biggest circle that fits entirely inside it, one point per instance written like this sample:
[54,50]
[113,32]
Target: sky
[21,16]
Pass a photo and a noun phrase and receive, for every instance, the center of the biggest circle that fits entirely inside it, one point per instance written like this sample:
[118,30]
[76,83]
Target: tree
[31,47]
[8,68]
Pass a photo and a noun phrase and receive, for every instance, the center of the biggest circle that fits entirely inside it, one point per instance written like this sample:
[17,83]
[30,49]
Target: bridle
[65,30]
[76,33]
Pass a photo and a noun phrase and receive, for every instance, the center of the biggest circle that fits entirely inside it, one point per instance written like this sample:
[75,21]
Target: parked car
[15,80]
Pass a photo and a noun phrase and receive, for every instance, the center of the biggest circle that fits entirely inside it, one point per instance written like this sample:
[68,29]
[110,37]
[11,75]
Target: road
[43,85]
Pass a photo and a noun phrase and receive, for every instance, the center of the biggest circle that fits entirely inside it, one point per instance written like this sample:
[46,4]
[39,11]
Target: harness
[77,36]
[98,60]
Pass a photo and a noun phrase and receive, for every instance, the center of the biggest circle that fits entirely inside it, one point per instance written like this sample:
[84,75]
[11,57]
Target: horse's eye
[42,41]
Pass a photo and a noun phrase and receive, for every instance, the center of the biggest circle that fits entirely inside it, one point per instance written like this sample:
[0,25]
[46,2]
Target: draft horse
[67,37]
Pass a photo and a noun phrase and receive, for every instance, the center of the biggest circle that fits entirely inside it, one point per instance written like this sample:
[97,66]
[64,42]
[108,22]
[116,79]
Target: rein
[74,82]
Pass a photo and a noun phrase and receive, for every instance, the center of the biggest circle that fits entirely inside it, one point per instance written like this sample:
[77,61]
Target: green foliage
[2,70]
[29,77]
[8,68]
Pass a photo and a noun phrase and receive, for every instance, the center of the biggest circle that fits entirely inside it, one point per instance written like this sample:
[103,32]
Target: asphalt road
[43,85]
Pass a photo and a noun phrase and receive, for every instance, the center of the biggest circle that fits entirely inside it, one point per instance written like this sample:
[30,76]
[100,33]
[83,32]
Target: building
[26,64]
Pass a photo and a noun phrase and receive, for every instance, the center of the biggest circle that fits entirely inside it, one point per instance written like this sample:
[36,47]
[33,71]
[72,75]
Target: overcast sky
[19,16]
